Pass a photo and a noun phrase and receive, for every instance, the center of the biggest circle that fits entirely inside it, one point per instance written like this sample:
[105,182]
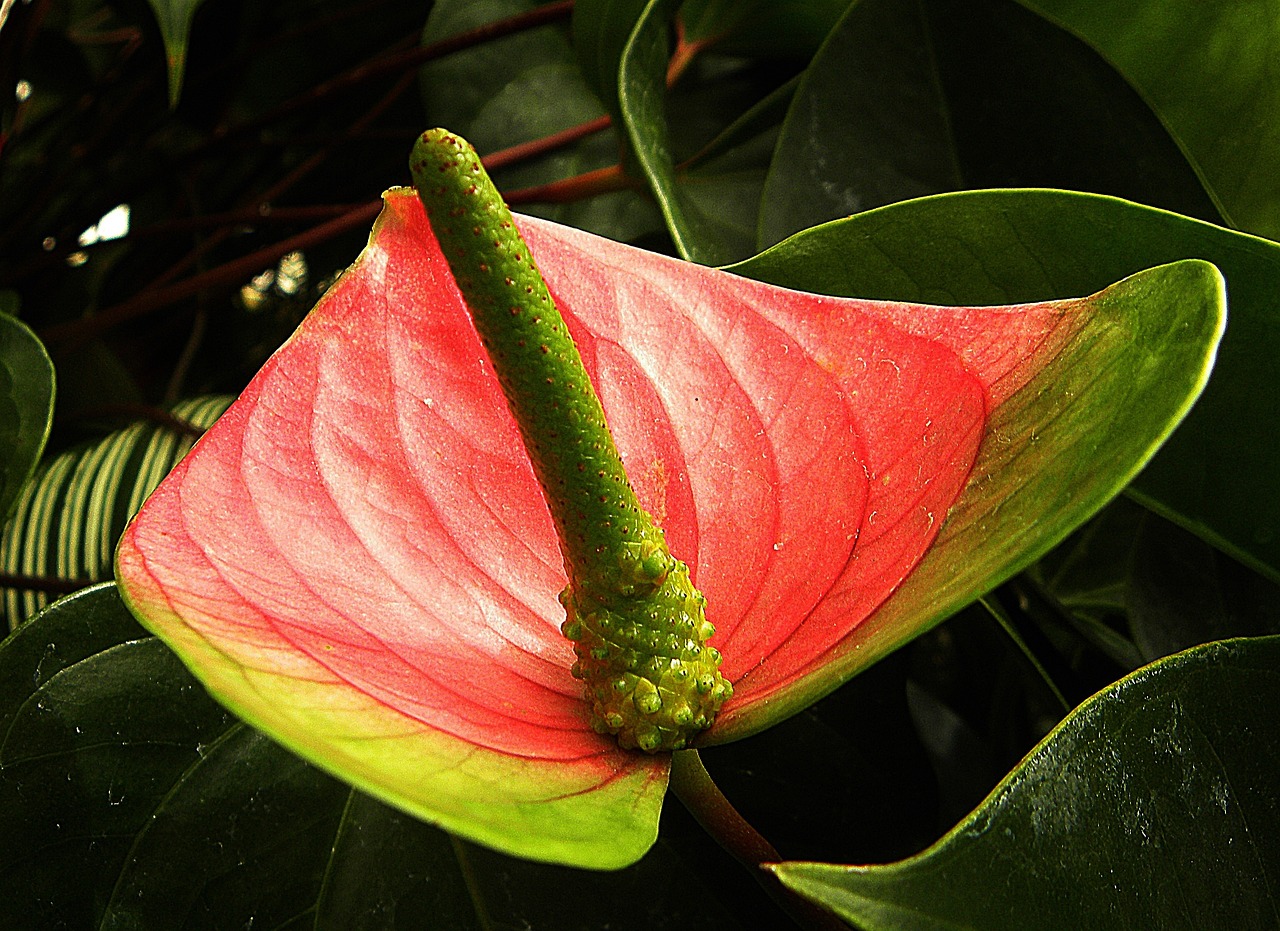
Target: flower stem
[695,788]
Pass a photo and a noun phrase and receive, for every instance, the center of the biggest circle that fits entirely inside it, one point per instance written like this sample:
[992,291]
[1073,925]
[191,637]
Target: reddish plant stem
[694,786]
[602,180]
[160,293]
[407,59]
[684,54]
[246,216]
[239,270]
[316,159]
[308,165]
[402,59]
[591,183]
[536,147]
[488,32]
[261,215]
[228,274]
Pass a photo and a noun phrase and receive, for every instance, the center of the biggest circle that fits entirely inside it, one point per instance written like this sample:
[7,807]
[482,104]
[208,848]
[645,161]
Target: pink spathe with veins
[365,516]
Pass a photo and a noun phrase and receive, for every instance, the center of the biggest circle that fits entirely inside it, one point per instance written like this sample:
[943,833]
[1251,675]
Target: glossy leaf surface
[770,27]
[910,99]
[117,768]
[600,32]
[358,560]
[26,407]
[1208,70]
[706,178]
[1153,804]
[93,735]
[642,102]
[890,137]
[1218,475]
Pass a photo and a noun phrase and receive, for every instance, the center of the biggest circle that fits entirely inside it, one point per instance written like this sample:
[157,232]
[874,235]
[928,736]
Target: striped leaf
[69,517]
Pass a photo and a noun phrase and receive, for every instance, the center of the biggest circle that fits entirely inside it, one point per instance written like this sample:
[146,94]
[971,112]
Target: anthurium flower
[358,560]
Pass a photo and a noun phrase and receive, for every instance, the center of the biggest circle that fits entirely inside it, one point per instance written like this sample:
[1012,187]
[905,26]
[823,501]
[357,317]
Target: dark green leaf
[762,121]
[26,407]
[1033,106]
[456,88]
[601,29]
[710,206]
[787,28]
[242,836]
[1208,70]
[868,125]
[642,102]
[908,99]
[666,889]
[856,744]
[1089,572]
[116,768]
[1154,805]
[76,628]
[1217,476]
[1082,584]
[1176,597]
[1162,586]
[96,726]
[725,180]
[389,870]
